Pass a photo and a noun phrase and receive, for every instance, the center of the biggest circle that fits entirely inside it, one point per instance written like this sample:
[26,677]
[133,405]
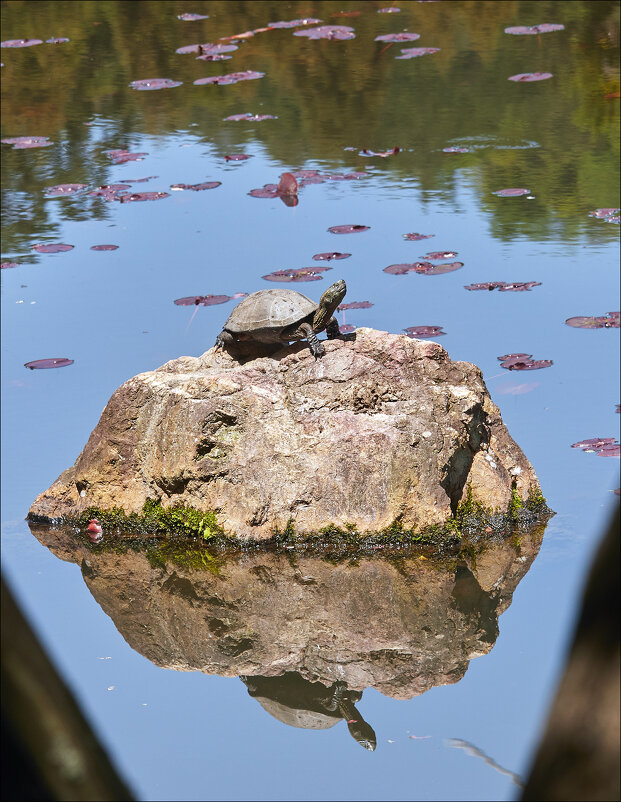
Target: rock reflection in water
[307,635]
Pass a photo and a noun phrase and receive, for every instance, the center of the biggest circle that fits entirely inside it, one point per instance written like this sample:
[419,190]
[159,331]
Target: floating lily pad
[208,300]
[424,332]
[610,215]
[294,23]
[64,189]
[440,255]
[154,83]
[24,142]
[512,192]
[404,36]
[455,150]
[427,269]
[120,156]
[8,265]
[109,192]
[523,362]
[355,305]
[237,157]
[56,247]
[214,57]
[502,286]
[56,40]
[328,257]
[43,364]
[389,10]
[383,153]
[143,196]
[206,48]
[609,321]
[21,42]
[332,32]
[192,17]
[415,52]
[198,187]
[137,180]
[104,247]
[526,77]
[545,27]
[230,78]
[251,117]
[298,274]
[594,443]
[400,269]
[351,229]
[346,328]
[413,237]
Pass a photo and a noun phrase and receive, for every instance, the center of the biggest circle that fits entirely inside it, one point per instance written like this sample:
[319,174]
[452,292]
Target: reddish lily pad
[424,332]
[206,48]
[428,269]
[146,84]
[294,23]
[109,192]
[8,265]
[503,286]
[610,215]
[21,42]
[214,57]
[24,142]
[383,153]
[143,196]
[389,10]
[594,443]
[415,52]
[528,77]
[332,32]
[208,300]
[404,36]
[251,117]
[229,78]
[56,247]
[512,192]
[440,255]
[43,364]
[298,274]
[327,257]
[198,187]
[348,229]
[346,328]
[400,269]
[57,40]
[64,189]
[609,321]
[416,237]
[612,450]
[455,150]
[545,27]
[237,157]
[192,17]
[355,305]
[120,156]
[523,362]
[104,247]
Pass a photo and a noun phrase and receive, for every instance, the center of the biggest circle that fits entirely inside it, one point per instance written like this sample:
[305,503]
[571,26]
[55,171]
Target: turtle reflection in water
[310,705]
[267,320]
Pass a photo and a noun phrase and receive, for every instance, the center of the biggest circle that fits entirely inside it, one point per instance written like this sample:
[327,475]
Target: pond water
[450,674]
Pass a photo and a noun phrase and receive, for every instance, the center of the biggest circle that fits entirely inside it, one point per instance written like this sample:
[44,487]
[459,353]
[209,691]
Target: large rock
[383,429]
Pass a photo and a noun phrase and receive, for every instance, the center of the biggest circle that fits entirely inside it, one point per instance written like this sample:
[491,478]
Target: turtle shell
[269,309]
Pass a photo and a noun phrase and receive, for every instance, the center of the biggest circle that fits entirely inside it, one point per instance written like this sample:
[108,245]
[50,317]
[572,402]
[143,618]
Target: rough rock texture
[382,429]
[401,626]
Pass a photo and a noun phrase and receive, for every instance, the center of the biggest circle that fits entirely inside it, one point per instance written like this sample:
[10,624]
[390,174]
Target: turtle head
[331,298]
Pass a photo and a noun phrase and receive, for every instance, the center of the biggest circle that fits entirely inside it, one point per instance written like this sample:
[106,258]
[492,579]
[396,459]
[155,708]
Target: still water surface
[450,673]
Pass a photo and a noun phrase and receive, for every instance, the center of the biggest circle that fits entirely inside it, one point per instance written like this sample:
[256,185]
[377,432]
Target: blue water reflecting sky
[186,735]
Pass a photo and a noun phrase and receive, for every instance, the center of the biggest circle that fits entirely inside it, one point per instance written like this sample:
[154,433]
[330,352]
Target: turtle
[268,319]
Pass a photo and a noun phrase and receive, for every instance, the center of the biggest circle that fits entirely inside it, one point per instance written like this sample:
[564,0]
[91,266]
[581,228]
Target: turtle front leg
[306,330]
[223,339]
[332,329]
